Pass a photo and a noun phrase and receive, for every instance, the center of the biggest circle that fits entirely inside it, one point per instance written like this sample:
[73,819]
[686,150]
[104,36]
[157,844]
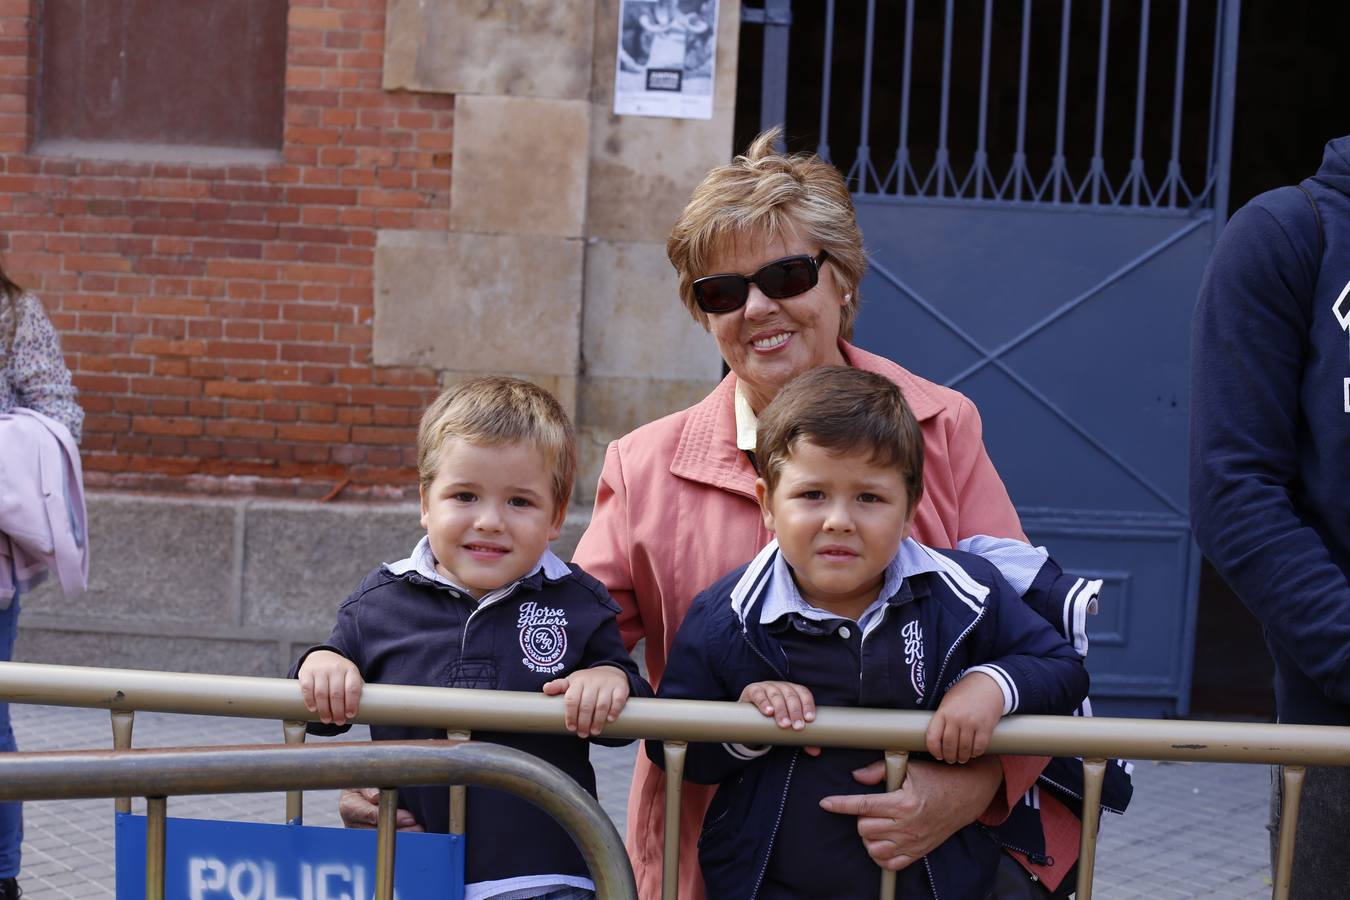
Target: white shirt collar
[423,562]
[782,596]
[746,421]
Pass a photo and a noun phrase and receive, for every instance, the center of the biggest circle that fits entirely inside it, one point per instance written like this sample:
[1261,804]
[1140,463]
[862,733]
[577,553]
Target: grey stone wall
[226,586]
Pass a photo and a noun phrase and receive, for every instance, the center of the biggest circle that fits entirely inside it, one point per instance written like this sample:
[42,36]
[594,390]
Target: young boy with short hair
[843,608]
[482,603]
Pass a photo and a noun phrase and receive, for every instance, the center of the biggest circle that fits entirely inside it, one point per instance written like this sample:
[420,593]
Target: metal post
[1224,132]
[1103,47]
[1060,172]
[1141,82]
[294,733]
[123,720]
[386,831]
[773,90]
[897,761]
[1291,790]
[1094,772]
[823,145]
[156,809]
[459,800]
[1178,83]
[670,864]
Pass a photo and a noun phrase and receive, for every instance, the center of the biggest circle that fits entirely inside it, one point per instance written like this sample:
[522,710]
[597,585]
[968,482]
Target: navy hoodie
[1270,430]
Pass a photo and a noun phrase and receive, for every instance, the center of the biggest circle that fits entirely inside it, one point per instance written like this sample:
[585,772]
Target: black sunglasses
[778,280]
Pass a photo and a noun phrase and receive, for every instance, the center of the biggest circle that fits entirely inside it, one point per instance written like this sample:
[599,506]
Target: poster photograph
[667,50]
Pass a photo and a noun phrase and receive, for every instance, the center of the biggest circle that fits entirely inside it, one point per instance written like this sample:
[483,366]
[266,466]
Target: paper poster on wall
[667,50]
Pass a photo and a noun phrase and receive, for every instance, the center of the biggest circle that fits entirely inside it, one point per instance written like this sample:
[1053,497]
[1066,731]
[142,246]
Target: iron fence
[677,722]
[1126,105]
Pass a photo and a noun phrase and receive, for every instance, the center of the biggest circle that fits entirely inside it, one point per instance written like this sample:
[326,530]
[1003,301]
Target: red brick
[240,390]
[311,393]
[240,350]
[166,426]
[316,353]
[265,431]
[333,433]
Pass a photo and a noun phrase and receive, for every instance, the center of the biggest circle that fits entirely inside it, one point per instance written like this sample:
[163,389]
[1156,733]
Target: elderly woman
[769,257]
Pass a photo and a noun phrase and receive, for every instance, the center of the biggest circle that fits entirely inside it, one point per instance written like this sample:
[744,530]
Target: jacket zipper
[1036,859]
[931,883]
[942,670]
[1077,796]
[778,820]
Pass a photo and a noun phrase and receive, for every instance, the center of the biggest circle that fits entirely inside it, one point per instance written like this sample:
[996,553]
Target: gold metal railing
[158,774]
[680,721]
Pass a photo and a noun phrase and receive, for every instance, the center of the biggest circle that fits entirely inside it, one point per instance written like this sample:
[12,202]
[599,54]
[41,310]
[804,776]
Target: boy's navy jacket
[407,629]
[1270,430]
[761,839]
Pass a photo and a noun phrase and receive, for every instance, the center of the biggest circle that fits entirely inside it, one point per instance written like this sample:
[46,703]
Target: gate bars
[1130,188]
[676,722]
[157,774]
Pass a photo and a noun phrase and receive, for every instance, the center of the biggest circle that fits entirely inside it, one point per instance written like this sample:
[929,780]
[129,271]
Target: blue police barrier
[207,859]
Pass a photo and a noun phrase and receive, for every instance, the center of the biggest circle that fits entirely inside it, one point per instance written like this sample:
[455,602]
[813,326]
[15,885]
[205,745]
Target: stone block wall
[229,586]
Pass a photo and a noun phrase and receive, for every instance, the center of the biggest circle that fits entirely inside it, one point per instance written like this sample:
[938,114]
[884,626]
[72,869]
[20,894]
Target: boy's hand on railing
[331,686]
[960,729]
[791,705]
[592,698]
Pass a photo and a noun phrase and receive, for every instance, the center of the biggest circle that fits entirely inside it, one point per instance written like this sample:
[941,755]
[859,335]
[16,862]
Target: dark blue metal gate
[1047,267]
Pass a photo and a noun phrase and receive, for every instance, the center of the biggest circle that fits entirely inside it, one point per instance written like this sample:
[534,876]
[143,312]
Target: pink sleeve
[603,548]
[985,507]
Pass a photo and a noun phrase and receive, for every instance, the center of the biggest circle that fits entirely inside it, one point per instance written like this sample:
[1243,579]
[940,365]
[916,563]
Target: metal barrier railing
[678,722]
[158,774]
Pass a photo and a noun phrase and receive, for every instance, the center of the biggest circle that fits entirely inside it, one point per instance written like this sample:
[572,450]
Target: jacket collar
[421,564]
[707,451]
[760,595]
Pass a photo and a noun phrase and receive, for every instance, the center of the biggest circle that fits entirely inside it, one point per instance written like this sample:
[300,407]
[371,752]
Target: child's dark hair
[842,410]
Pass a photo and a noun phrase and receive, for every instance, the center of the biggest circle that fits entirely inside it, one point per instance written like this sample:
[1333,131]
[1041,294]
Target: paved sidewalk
[1193,830]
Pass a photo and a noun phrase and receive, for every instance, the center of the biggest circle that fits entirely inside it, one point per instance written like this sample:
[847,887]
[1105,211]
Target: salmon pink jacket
[675,510]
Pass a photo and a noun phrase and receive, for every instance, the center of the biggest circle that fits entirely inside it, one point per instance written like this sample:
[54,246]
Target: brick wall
[218,316]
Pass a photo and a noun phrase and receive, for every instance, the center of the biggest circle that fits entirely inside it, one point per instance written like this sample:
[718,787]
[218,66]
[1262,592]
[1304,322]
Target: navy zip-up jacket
[1270,430]
[407,629]
[764,835]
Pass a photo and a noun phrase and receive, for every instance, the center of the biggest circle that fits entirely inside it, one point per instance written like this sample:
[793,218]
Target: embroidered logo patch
[913,636]
[543,637]
[1341,308]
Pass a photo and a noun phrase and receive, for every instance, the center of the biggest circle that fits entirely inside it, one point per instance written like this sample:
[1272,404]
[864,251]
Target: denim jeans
[1321,863]
[11,814]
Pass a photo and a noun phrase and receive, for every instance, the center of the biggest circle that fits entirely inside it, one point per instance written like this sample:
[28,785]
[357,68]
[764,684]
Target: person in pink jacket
[769,256]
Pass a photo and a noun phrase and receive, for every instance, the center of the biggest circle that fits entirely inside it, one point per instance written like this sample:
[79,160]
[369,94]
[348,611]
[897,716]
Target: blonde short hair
[764,193]
[496,410]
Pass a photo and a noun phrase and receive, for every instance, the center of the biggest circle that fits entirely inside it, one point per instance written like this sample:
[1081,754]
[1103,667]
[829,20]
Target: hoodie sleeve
[1065,601]
[1032,664]
[1249,348]
[696,670]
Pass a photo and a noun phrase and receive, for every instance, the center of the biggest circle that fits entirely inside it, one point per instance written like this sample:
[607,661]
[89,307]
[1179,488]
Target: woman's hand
[360,808]
[593,698]
[934,803]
